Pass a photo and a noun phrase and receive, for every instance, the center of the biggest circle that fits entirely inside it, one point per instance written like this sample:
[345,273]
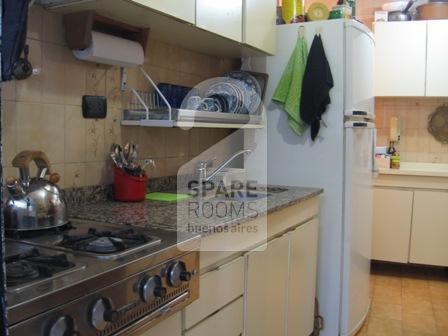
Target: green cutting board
[167,197]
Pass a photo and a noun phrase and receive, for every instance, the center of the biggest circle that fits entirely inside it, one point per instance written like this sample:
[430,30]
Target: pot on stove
[34,203]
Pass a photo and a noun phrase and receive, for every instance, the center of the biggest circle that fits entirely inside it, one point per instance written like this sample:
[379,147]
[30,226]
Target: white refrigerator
[341,161]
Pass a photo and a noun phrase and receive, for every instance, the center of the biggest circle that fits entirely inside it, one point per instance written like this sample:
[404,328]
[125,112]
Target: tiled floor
[407,301]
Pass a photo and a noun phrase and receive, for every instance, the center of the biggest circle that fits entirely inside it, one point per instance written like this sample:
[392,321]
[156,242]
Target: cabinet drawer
[218,288]
[226,322]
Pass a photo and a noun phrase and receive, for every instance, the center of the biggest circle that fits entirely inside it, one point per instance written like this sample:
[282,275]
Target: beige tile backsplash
[44,111]
[417,144]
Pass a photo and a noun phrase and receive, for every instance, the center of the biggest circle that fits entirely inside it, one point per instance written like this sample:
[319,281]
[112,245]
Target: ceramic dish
[230,91]
[251,90]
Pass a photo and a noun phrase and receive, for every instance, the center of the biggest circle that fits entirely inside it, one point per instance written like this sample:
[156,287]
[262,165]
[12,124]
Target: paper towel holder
[79,27]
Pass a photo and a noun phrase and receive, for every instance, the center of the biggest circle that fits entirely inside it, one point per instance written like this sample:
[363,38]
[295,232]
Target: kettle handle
[23,160]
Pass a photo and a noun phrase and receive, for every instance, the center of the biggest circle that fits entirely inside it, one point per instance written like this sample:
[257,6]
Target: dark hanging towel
[317,83]
[14,25]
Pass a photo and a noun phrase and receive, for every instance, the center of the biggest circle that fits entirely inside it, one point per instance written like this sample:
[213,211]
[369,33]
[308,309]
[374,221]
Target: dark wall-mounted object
[14,26]
[94,107]
[79,27]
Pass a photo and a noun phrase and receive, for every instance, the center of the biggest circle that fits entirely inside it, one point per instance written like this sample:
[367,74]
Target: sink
[245,196]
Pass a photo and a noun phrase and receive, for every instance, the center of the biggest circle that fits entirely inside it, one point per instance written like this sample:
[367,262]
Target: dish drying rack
[152,109]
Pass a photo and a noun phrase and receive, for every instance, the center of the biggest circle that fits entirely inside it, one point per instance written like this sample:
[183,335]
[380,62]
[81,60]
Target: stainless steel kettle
[34,203]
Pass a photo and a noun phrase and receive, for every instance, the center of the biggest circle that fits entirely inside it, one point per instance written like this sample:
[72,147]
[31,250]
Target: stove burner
[31,265]
[105,242]
[20,271]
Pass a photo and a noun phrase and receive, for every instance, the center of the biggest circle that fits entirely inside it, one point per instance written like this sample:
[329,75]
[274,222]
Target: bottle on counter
[279,20]
[394,156]
[352,4]
[391,149]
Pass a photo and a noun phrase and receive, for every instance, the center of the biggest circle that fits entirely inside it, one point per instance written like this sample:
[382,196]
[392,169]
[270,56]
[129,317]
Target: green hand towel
[289,89]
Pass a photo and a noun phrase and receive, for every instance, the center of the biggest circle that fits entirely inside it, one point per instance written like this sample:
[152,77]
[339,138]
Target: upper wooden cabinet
[411,59]
[259,27]
[212,27]
[181,9]
[224,18]
[400,58]
[437,60]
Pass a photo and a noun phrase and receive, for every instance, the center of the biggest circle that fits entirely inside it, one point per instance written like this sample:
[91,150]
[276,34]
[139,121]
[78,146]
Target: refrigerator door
[359,170]
[359,70]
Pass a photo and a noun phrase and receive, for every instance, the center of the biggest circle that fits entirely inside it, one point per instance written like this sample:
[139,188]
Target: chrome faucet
[203,165]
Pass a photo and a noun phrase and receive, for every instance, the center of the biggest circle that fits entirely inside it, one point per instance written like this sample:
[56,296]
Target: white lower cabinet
[430,228]
[267,280]
[217,288]
[302,279]
[172,326]
[392,218]
[226,322]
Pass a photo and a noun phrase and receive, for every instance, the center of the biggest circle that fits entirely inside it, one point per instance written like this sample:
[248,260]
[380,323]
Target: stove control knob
[151,287]
[63,326]
[102,313]
[177,273]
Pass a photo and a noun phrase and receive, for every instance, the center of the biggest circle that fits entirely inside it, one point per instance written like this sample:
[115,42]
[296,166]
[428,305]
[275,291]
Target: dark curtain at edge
[3,317]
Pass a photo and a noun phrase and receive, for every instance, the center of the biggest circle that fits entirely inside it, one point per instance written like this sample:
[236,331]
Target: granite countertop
[172,215]
[418,169]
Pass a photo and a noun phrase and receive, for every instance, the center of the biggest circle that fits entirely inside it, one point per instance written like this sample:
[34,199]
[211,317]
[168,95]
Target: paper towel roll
[112,50]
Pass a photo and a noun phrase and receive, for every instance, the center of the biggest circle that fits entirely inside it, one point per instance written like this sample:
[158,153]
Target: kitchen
[250,261]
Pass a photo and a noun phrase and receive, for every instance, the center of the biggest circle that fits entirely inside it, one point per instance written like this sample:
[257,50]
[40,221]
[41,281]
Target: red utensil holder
[129,188]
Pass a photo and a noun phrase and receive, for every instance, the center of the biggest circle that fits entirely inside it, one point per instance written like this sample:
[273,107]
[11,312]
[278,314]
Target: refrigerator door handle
[359,124]
[358,113]
[375,169]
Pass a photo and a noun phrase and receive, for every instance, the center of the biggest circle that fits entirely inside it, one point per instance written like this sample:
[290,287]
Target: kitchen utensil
[433,11]
[127,187]
[438,124]
[22,68]
[126,159]
[395,6]
[193,102]
[318,11]
[293,10]
[341,12]
[251,90]
[227,89]
[34,203]
[403,15]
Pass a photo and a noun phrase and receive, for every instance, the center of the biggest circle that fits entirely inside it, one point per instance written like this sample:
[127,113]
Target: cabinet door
[400,58]
[259,28]
[181,9]
[437,60]
[229,278]
[267,278]
[226,322]
[224,18]
[430,228]
[302,279]
[171,326]
[392,216]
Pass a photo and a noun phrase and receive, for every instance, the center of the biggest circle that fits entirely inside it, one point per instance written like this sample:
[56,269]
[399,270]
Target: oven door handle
[162,311]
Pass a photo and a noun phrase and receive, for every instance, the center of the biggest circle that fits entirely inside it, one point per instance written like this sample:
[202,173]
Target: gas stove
[28,266]
[89,278]
[99,240]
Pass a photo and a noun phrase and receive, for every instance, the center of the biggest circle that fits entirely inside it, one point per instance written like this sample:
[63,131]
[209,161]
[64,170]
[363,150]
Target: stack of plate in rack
[238,92]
